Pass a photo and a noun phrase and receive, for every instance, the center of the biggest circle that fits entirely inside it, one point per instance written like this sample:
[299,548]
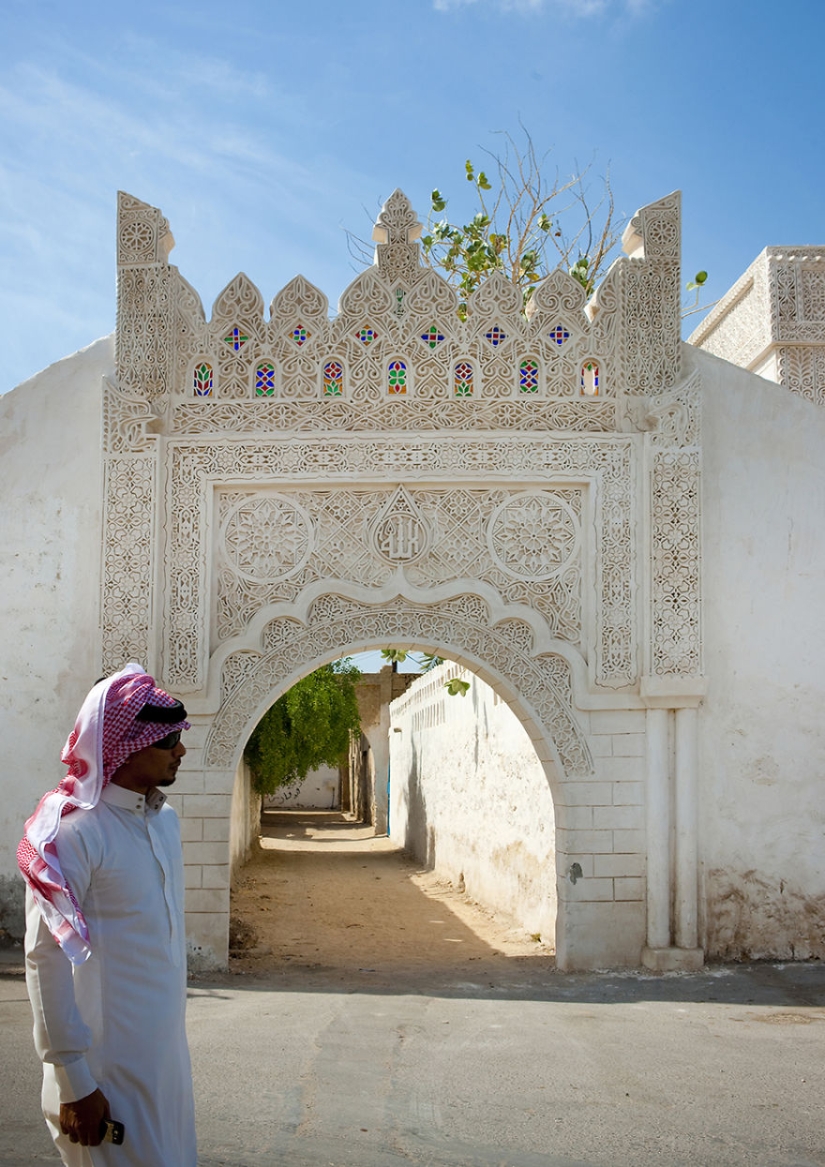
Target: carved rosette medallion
[267,538]
[400,534]
[534,536]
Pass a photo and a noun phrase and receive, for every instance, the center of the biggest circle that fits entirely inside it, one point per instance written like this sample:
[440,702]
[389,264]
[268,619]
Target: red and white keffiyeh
[106,733]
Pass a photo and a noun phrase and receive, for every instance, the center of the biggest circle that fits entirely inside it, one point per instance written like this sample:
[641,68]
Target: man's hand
[81,1120]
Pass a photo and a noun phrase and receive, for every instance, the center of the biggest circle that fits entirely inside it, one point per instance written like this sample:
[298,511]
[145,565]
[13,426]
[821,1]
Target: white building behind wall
[660,634]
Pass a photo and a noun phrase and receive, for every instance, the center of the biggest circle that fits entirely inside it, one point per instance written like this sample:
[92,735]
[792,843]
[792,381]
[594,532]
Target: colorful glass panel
[300,335]
[432,337]
[496,335]
[559,334]
[333,379]
[203,380]
[367,336]
[265,380]
[528,377]
[463,379]
[397,377]
[590,379]
[399,301]
[236,339]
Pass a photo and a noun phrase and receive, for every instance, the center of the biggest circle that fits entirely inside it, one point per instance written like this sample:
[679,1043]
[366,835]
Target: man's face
[150,767]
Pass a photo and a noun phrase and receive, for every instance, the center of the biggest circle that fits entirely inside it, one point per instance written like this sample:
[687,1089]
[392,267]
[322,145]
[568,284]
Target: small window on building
[333,379]
[463,379]
[528,376]
[397,378]
[203,380]
[236,339]
[432,337]
[590,379]
[265,380]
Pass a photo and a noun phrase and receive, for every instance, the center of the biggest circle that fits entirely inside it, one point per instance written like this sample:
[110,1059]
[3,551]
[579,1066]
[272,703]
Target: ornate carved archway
[520,487]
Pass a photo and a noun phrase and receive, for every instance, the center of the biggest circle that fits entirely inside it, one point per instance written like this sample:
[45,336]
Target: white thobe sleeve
[61,1037]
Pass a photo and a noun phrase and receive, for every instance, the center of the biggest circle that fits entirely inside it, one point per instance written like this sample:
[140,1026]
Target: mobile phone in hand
[111,1131]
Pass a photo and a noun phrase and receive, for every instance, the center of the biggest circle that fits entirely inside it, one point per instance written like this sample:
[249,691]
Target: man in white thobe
[102,857]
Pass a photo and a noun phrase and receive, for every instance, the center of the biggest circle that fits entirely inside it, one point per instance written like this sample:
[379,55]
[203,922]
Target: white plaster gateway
[519,493]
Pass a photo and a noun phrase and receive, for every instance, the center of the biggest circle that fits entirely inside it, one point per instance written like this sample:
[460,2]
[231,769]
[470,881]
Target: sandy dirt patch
[322,892]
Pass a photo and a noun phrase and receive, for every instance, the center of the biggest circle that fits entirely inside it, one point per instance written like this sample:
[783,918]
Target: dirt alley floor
[323,893]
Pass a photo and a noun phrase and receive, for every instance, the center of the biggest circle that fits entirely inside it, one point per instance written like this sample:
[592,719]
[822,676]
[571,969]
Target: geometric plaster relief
[266,538]
[544,682]
[437,536]
[534,536]
[341,533]
[676,558]
[129,558]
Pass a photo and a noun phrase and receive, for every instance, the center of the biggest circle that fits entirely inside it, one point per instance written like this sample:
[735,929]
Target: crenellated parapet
[397,356]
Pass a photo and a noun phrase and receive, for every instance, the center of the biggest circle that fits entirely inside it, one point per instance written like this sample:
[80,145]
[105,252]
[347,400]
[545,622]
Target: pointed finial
[396,232]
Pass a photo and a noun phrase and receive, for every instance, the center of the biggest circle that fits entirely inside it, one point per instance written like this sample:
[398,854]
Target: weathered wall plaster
[470,798]
[50,548]
[762,730]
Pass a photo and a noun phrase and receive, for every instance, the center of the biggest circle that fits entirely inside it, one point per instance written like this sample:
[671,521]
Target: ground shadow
[335,910]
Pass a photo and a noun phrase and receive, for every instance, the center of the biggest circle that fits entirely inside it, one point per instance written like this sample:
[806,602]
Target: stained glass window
[300,335]
[559,334]
[236,339]
[333,379]
[590,379]
[367,335]
[528,377]
[432,337]
[397,377]
[496,335]
[265,380]
[463,379]
[203,380]
[399,301]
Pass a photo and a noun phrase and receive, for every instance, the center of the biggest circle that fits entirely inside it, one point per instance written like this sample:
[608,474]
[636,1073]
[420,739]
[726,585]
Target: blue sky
[264,131]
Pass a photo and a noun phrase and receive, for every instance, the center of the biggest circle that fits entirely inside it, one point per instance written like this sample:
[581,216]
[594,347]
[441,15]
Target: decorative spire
[396,234]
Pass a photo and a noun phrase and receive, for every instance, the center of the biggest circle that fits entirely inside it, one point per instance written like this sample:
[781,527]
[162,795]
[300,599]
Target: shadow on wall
[419,840]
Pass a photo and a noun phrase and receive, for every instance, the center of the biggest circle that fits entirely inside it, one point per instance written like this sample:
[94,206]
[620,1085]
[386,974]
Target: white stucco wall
[320,790]
[50,554]
[470,798]
[762,727]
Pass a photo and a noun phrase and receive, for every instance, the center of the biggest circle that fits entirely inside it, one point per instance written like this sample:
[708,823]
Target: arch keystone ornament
[272,503]
[400,534]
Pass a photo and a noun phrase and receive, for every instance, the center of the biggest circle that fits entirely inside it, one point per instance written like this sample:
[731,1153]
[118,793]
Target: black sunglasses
[169,742]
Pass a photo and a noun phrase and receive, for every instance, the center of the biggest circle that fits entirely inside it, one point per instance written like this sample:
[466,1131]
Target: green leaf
[456,687]
[700,278]
[438,201]
[544,223]
[482,182]
[468,166]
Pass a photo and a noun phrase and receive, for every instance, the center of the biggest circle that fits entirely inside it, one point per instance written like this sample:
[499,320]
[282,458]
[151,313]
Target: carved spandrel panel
[458,518]
[526,544]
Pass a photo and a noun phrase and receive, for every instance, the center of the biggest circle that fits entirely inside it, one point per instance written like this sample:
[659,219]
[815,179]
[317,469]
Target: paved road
[722,1069]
